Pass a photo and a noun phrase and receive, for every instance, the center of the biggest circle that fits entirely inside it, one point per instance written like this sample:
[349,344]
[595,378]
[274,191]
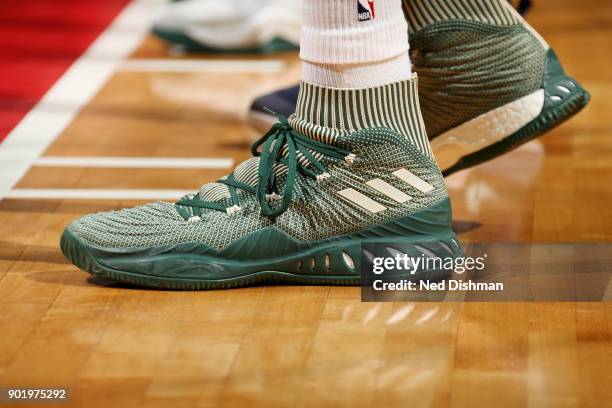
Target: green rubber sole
[85,257]
[176,38]
[78,253]
[554,113]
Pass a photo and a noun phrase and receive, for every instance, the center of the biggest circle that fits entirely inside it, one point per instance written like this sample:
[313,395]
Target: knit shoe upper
[317,211]
[308,182]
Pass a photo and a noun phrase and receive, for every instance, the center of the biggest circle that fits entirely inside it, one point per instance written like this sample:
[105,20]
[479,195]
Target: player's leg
[352,166]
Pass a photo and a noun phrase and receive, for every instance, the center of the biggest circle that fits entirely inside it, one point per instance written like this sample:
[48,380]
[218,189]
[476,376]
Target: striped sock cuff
[327,114]
[421,13]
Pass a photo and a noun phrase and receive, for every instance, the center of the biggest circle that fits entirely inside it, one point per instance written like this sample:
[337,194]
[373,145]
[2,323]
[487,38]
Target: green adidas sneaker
[321,184]
[488,81]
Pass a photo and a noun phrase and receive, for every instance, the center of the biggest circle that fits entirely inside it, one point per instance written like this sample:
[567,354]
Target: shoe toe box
[145,226]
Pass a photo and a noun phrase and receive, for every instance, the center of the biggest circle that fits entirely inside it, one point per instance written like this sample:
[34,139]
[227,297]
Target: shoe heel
[564,97]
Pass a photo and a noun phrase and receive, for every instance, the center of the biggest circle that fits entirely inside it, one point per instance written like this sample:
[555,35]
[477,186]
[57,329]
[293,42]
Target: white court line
[73,90]
[135,162]
[184,65]
[95,194]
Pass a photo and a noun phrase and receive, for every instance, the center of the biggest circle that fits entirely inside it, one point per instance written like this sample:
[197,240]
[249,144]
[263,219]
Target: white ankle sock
[344,45]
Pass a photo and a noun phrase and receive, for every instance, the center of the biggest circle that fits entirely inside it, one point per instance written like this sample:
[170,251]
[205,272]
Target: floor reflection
[500,192]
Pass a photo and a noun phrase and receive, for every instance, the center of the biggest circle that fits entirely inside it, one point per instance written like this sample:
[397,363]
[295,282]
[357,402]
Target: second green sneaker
[488,81]
[321,184]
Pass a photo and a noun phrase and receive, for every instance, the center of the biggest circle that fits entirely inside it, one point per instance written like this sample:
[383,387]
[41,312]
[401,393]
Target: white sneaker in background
[231,25]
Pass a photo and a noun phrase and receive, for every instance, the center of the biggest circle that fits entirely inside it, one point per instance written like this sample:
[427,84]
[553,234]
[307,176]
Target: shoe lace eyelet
[233,210]
[323,176]
[350,158]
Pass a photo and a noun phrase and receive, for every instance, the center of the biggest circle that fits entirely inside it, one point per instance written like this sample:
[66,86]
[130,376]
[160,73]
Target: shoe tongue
[247,172]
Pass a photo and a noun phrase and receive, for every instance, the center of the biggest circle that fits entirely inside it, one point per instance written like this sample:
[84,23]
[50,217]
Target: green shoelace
[272,204]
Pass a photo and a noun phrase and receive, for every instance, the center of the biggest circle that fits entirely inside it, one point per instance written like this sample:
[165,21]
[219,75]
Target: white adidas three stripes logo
[386,189]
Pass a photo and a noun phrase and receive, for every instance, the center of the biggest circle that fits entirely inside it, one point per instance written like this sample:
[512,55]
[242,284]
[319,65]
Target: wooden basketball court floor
[117,346]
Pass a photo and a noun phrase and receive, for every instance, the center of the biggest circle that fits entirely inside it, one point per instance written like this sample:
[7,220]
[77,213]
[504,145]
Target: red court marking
[39,40]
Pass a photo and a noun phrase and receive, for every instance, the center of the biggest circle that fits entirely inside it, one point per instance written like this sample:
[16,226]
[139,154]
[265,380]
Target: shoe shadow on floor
[463,226]
[73,277]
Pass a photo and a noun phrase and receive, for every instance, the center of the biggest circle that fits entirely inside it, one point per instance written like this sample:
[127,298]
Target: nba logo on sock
[365,10]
